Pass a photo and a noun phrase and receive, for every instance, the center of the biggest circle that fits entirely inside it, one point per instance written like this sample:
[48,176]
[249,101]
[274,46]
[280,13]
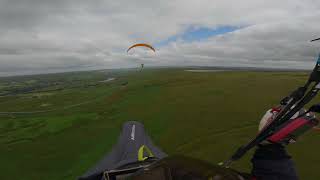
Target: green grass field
[203,115]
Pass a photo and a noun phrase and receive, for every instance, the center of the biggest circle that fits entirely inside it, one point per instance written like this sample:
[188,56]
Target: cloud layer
[38,36]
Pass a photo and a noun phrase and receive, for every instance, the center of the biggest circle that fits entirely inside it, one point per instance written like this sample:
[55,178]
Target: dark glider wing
[134,145]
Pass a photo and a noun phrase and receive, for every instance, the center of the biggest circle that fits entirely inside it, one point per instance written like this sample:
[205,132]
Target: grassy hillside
[203,115]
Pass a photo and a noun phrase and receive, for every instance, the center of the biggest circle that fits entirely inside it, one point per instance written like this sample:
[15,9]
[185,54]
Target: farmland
[57,126]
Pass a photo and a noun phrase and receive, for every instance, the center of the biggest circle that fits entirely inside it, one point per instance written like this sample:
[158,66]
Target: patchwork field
[62,124]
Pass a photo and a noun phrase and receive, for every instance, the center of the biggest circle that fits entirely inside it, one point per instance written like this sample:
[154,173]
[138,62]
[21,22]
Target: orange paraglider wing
[144,45]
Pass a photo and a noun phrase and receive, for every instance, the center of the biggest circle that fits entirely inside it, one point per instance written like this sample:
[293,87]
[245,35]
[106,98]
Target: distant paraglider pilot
[149,47]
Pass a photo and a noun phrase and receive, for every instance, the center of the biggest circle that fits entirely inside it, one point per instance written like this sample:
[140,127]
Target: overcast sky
[38,36]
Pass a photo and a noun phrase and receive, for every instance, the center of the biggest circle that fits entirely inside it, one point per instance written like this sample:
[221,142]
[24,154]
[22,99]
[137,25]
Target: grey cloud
[42,35]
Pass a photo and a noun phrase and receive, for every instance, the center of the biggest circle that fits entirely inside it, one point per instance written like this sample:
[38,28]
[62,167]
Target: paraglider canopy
[144,54]
[141,45]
